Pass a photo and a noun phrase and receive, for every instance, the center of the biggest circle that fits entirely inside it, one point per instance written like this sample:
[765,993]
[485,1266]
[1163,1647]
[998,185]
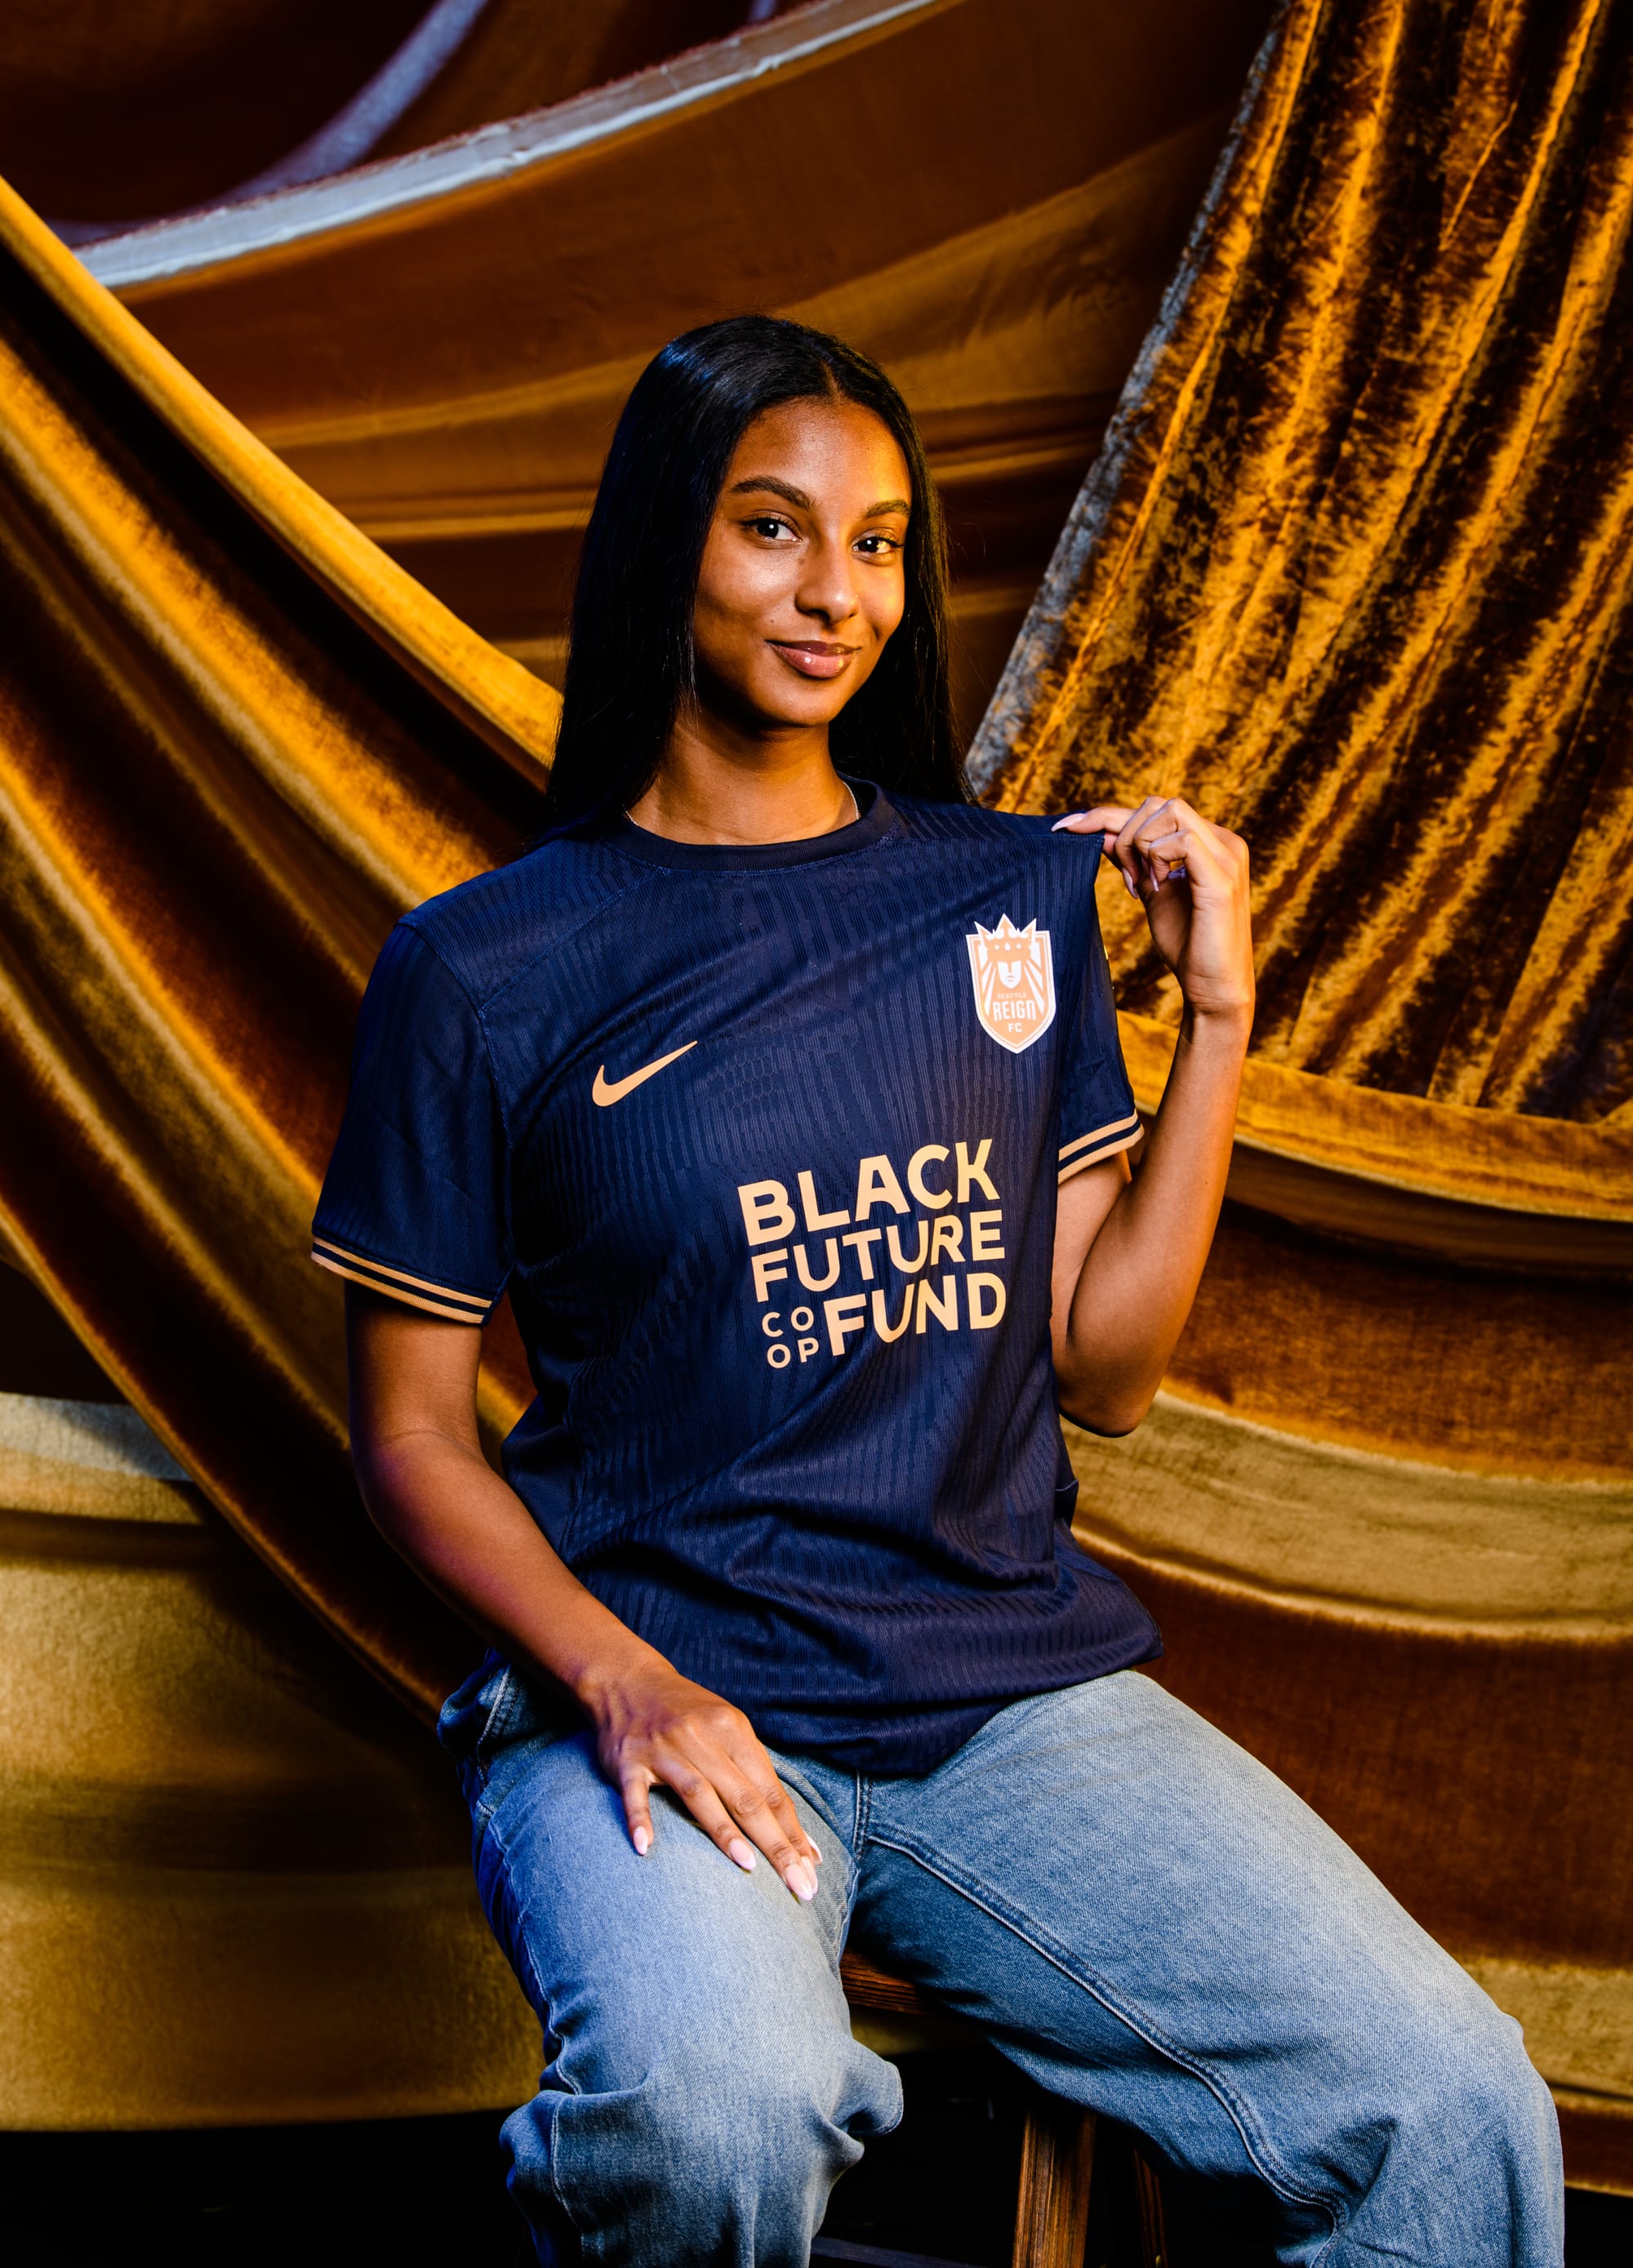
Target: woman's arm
[436,1500]
[1129,1252]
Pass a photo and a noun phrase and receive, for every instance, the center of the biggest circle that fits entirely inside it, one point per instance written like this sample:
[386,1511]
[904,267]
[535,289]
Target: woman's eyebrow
[790,494]
[784,488]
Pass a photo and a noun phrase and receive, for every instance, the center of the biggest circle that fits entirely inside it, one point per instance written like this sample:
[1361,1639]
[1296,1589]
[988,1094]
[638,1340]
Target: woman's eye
[876,545]
[771,528]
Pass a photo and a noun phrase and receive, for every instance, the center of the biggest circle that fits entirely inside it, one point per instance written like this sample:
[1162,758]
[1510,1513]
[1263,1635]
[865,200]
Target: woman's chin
[775,714]
[776,701]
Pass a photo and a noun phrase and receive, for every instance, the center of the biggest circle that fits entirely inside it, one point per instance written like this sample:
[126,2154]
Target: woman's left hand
[1192,878]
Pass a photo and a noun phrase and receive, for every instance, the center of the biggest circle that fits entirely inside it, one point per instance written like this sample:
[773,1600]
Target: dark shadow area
[1599,2229]
[430,2193]
[943,2185]
[39,1354]
[406,2191]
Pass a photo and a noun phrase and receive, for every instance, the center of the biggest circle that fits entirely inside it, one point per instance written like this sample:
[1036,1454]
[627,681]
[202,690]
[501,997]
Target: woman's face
[801,581]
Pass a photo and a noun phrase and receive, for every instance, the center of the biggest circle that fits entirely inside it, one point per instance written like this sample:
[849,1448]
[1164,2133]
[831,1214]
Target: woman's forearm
[436,1499]
[465,1531]
[1141,1273]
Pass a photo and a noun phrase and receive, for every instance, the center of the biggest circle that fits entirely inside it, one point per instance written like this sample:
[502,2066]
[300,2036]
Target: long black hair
[629,661]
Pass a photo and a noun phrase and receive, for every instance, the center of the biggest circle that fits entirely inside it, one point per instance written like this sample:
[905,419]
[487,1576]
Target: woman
[756,1082]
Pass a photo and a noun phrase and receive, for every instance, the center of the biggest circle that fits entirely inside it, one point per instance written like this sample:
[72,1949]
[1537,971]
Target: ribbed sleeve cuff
[1104,1142]
[445,1300]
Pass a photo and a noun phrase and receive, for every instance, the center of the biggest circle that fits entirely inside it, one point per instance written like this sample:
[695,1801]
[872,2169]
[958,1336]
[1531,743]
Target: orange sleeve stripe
[1087,1141]
[324,1244]
[395,1291]
[1098,1157]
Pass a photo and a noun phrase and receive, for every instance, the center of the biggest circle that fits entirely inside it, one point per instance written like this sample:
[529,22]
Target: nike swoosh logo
[605,1092]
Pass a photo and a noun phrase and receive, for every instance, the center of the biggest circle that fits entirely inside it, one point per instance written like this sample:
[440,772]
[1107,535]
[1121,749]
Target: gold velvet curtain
[1352,573]
[114,114]
[1354,565]
[235,742]
[1349,571]
[441,346]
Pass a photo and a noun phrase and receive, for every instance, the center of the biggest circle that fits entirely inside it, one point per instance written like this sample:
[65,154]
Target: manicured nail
[643,1840]
[737,1850]
[801,1880]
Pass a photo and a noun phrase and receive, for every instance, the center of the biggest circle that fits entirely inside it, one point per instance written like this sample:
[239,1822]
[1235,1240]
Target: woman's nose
[828,588]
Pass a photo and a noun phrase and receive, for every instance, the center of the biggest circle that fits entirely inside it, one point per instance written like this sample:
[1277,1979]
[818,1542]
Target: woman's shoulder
[490,929]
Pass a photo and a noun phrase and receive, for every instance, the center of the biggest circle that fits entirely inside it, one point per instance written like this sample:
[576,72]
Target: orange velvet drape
[1354,565]
[235,742]
[441,344]
[117,115]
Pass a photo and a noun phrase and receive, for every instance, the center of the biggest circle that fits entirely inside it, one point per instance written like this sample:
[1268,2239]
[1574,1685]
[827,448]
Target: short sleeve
[1097,1114]
[416,1200]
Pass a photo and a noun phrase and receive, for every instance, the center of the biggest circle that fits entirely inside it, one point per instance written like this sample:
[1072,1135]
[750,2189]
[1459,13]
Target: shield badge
[1014,979]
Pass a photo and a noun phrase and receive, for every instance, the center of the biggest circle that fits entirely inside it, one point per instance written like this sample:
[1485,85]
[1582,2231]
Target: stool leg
[1148,2200]
[1056,2168]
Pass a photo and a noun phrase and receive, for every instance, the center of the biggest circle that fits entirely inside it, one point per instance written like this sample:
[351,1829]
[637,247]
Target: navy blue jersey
[764,1142]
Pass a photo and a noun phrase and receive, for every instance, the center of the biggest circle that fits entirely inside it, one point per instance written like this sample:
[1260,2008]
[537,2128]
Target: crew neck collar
[873,823]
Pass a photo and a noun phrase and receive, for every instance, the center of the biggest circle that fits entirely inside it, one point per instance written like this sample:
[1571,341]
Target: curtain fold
[1045,159]
[236,741]
[1353,567]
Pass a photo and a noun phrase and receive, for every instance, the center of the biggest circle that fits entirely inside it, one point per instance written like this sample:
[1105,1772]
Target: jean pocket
[495,1708]
[477,1709]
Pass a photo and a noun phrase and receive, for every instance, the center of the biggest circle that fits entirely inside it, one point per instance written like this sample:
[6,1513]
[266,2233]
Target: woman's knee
[1450,2140]
[715,2145]
[1486,2086]
[1460,2065]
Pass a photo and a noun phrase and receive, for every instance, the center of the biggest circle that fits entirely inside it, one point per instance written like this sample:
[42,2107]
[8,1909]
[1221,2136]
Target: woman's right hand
[655,1728]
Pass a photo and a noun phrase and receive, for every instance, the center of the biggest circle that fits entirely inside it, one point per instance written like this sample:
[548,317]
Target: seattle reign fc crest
[1013,973]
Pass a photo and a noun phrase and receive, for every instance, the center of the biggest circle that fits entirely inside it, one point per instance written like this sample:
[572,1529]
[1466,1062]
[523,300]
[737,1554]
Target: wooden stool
[1057,2151]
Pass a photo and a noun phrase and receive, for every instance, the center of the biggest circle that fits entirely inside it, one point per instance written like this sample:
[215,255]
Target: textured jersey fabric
[764,1142]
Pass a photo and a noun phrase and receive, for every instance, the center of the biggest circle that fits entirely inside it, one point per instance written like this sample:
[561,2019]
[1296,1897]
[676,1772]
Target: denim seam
[496,1719]
[507,1877]
[859,1803]
[1261,2153]
[563,2085]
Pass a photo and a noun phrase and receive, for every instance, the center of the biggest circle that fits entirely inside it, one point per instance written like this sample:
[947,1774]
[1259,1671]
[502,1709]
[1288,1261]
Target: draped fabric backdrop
[235,743]
[1354,566]
[1351,571]
[109,116]
[441,343]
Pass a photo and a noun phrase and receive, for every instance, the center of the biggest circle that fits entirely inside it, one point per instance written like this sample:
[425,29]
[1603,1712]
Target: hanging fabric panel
[236,741]
[1353,568]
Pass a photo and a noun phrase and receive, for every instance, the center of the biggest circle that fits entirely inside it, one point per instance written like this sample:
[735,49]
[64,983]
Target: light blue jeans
[1126,1903]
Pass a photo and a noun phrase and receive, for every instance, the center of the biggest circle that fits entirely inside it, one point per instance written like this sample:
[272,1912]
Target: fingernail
[816,1854]
[801,1880]
[738,1851]
[643,1840]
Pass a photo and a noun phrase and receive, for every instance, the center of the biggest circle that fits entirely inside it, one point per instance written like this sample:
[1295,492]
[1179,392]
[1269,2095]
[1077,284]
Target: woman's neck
[714,787]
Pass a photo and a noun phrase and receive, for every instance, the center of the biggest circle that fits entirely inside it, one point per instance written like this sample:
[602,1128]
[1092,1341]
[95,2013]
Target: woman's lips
[812,660]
